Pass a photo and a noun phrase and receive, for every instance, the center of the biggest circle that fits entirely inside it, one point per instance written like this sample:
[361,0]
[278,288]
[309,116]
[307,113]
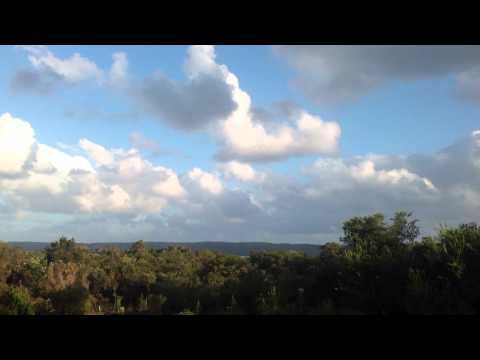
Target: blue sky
[393,119]
[391,109]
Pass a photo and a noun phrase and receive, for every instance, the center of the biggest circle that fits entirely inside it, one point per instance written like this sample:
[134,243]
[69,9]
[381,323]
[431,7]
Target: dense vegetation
[378,267]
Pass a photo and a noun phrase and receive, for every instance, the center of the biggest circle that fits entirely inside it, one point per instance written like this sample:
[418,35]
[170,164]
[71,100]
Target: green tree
[17,301]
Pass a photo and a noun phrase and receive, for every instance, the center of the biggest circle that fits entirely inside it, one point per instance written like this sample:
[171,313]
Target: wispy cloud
[50,72]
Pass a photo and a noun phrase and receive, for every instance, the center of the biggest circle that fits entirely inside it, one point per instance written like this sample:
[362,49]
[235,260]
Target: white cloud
[95,196]
[207,181]
[54,181]
[17,139]
[73,69]
[97,152]
[240,171]
[205,208]
[336,174]
[201,61]
[49,158]
[211,97]
[132,197]
[119,69]
[52,168]
[150,187]
[243,138]
[169,186]
[131,166]
[50,70]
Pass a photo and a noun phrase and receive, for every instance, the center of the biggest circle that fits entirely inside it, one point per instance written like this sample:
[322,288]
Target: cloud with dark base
[192,105]
[336,74]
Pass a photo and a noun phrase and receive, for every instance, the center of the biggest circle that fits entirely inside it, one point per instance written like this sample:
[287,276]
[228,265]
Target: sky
[234,143]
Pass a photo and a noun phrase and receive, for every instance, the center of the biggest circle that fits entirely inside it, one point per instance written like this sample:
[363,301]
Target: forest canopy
[378,266]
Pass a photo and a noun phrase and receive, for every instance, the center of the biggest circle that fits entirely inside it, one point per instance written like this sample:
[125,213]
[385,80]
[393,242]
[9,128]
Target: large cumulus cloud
[38,177]
[101,194]
[211,97]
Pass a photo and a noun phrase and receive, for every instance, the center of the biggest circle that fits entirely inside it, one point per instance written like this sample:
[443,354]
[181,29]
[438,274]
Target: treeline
[233,248]
[378,267]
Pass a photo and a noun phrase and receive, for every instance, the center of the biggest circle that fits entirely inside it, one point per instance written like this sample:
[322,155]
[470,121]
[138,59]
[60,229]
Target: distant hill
[240,249]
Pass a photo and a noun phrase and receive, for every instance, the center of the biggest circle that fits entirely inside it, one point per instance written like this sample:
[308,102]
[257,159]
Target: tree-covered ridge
[378,267]
[232,248]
